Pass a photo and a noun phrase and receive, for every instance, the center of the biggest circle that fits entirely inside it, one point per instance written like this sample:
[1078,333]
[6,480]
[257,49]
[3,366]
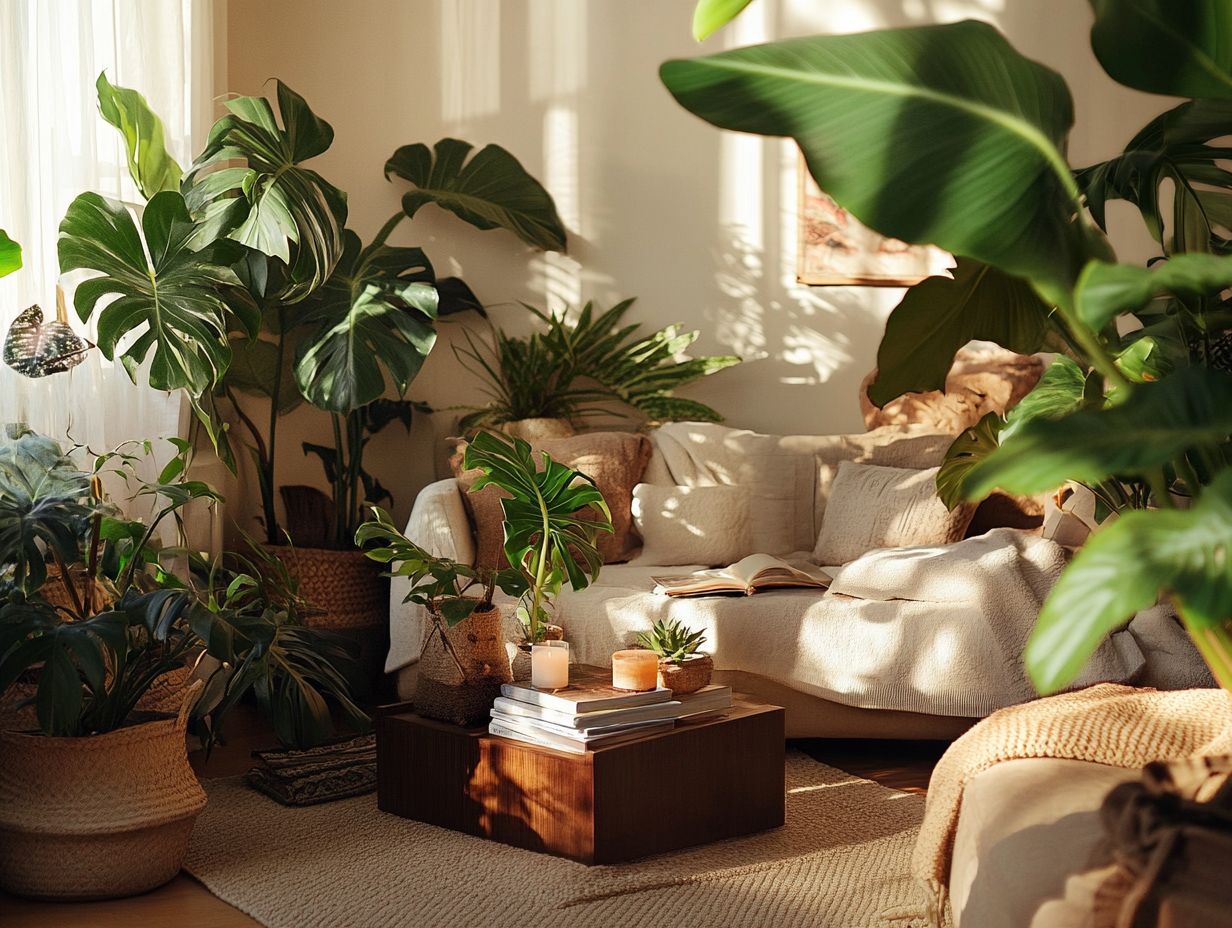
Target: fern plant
[592,366]
[671,641]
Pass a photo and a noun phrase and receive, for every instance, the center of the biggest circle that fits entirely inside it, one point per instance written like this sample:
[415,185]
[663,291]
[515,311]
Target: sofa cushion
[614,460]
[693,525]
[885,507]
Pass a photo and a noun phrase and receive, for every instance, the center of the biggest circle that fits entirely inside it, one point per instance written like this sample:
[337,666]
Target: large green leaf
[170,300]
[932,134]
[1163,46]
[967,450]
[255,369]
[492,190]
[171,296]
[1123,568]
[1155,424]
[1104,291]
[10,255]
[1059,392]
[542,504]
[1173,147]
[273,204]
[149,162]
[711,15]
[377,311]
[939,315]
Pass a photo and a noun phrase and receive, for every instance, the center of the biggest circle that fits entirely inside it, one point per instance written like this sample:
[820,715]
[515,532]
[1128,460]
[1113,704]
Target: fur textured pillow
[712,526]
[874,507]
[614,460]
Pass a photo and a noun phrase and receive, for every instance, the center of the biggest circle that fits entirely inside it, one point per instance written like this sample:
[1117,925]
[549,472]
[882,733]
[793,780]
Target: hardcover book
[588,691]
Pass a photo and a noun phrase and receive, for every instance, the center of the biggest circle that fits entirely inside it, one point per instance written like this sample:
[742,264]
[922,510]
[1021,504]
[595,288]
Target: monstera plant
[944,134]
[242,278]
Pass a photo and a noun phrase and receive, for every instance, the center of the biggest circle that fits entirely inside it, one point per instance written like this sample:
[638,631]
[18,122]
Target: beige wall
[695,222]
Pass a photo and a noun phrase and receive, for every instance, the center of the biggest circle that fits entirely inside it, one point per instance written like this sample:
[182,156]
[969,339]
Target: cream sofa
[879,664]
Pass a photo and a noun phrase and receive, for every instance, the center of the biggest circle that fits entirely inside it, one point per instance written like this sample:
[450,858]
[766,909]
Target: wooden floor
[185,903]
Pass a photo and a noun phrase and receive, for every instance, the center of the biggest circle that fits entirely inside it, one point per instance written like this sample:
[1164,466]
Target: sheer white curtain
[55,145]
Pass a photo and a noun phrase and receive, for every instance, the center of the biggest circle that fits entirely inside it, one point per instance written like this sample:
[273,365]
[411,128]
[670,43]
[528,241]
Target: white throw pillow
[874,507]
[692,525]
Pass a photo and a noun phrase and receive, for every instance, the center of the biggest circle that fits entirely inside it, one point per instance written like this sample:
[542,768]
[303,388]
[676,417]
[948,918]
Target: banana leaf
[150,164]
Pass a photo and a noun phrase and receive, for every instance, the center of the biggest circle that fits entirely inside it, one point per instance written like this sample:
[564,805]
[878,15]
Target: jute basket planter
[97,817]
[462,668]
[688,677]
[165,694]
[346,588]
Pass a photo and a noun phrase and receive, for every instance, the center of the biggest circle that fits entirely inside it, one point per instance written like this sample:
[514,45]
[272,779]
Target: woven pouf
[96,817]
[345,588]
[462,668]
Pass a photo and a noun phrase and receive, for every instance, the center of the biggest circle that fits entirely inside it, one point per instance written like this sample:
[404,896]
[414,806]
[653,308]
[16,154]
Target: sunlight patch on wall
[470,59]
[560,163]
[557,39]
[837,16]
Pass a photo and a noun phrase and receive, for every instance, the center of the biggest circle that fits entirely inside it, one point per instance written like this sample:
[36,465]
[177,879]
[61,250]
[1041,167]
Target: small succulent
[671,641]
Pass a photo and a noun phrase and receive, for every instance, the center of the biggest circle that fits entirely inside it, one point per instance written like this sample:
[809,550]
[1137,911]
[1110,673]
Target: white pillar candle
[549,665]
[635,669]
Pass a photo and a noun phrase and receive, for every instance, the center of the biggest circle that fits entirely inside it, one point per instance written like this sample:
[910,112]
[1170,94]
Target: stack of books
[590,713]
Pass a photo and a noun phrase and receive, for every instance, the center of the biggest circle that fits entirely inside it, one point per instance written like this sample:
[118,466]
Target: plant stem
[355,432]
[267,479]
[541,570]
[390,225]
[339,480]
[67,581]
[1187,473]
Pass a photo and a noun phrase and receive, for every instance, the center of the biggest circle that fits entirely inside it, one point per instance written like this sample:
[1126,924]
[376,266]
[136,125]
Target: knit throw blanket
[1106,724]
[322,774]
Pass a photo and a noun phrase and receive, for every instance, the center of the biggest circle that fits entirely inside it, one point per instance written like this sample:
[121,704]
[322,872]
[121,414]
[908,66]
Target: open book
[747,576]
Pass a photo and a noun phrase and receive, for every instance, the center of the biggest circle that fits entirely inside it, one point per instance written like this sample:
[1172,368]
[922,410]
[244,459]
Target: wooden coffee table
[697,783]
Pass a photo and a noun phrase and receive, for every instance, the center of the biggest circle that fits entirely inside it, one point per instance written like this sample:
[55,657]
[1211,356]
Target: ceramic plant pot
[100,816]
[688,677]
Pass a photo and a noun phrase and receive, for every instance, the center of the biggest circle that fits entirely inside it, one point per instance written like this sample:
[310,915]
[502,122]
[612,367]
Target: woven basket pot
[96,817]
[345,588]
[688,677]
[462,668]
[165,694]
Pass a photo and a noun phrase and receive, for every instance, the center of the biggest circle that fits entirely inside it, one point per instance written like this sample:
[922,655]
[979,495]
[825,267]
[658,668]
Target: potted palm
[681,668]
[541,385]
[97,636]
[463,661]
[552,515]
[271,295]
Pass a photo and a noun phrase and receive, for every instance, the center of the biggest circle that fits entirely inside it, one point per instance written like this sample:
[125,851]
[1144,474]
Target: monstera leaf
[1155,424]
[1123,568]
[1173,147]
[541,511]
[711,15]
[1161,46]
[876,112]
[10,255]
[149,162]
[375,313]
[170,298]
[968,449]
[492,190]
[274,204]
[939,315]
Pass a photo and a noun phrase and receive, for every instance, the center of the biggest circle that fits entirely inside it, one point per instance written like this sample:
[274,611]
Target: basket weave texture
[688,677]
[97,817]
[346,587]
[458,682]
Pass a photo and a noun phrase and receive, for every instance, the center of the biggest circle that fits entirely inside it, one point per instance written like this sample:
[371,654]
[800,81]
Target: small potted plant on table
[553,514]
[681,668]
[463,661]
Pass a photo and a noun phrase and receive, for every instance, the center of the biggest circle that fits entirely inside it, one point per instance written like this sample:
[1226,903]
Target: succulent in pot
[682,669]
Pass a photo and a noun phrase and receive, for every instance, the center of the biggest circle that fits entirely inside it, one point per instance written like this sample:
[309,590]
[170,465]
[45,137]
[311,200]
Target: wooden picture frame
[835,249]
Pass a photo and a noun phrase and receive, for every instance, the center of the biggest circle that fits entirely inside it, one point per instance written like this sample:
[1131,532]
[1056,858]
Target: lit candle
[636,669]
[549,665]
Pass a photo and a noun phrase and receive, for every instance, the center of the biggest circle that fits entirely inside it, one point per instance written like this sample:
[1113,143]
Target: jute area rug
[841,861]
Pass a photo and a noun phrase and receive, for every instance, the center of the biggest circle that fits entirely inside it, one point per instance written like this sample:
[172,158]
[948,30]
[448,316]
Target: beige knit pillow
[874,507]
[711,526]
